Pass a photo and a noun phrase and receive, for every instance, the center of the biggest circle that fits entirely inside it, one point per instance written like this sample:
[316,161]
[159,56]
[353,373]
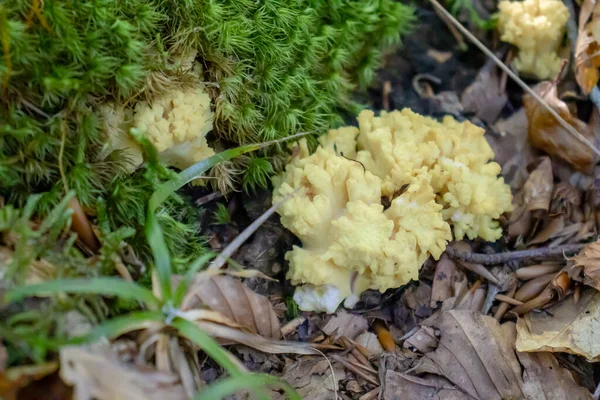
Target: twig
[246,233]
[501,258]
[366,376]
[514,76]
[208,198]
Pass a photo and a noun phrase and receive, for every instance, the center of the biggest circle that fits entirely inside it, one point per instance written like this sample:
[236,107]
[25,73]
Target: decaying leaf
[539,185]
[346,324]
[444,279]
[401,386]
[587,48]
[546,133]
[313,377]
[567,327]
[371,343]
[485,96]
[96,373]
[16,378]
[237,302]
[585,267]
[477,355]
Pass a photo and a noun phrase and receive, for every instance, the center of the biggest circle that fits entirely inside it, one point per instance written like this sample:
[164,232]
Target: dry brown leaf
[96,373]
[477,355]
[371,343]
[567,327]
[546,133]
[485,97]
[16,378]
[443,280]
[538,188]
[346,324]
[544,378]
[554,228]
[313,377]
[401,386]
[235,301]
[587,48]
[585,267]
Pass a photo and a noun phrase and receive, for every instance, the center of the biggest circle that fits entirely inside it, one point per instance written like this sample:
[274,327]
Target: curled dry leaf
[477,355]
[236,301]
[538,188]
[409,387]
[587,48]
[445,274]
[96,373]
[546,133]
[567,327]
[585,267]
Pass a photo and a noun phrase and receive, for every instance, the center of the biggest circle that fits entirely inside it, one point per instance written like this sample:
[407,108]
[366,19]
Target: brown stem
[501,258]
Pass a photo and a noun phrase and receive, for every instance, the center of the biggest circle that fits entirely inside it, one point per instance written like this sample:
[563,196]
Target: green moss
[274,68]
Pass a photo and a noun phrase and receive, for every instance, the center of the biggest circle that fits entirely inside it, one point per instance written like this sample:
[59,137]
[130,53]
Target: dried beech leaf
[539,185]
[587,48]
[553,229]
[96,373]
[346,324]
[567,327]
[547,134]
[585,267]
[235,301]
[477,355]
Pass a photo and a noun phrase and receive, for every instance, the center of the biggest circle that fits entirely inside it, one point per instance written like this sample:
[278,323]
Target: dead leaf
[424,340]
[546,133]
[401,386]
[418,298]
[16,378]
[587,48]
[554,228]
[477,355]
[585,267]
[96,373]
[443,280]
[237,302]
[346,324]
[544,378]
[538,188]
[370,342]
[313,378]
[566,327]
[485,97]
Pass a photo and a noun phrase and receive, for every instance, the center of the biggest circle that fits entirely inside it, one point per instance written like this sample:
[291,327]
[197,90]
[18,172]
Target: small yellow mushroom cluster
[431,175]
[176,124]
[536,27]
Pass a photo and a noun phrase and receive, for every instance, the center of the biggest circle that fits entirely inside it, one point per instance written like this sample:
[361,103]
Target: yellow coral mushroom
[176,124]
[435,175]
[536,27]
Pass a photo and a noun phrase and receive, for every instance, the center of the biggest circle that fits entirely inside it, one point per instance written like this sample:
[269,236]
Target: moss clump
[273,68]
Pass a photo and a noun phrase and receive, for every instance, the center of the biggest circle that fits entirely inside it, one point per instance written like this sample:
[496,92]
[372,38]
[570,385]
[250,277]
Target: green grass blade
[195,171]
[118,326]
[160,253]
[210,346]
[189,276]
[229,386]
[102,286]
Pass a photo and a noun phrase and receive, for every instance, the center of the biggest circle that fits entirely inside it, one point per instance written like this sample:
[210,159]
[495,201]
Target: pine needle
[514,76]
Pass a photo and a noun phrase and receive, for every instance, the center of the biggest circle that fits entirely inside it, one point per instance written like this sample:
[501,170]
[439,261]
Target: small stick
[501,258]
[508,299]
[514,77]
[503,307]
[355,370]
[291,326]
